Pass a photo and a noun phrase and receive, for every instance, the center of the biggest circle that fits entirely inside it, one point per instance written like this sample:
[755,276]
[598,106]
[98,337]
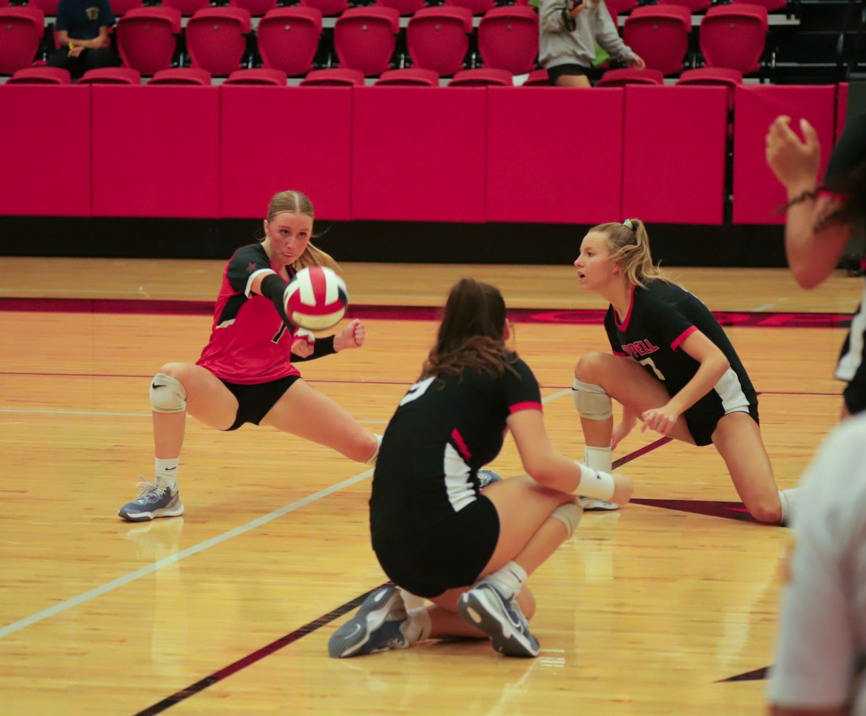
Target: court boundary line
[195,549]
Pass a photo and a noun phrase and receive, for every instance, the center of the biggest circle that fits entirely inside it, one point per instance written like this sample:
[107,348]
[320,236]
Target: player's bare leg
[738,440]
[309,414]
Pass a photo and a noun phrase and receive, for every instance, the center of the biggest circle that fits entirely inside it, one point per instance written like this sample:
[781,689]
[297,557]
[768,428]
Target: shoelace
[145,488]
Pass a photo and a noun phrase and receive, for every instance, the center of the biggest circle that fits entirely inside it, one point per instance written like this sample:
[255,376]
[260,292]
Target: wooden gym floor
[666,607]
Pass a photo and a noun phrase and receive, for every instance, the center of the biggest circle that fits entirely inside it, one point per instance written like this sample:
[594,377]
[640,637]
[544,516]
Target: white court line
[125,415]
[183,554]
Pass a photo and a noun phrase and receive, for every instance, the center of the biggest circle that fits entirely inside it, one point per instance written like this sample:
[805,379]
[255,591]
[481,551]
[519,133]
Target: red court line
[411,313]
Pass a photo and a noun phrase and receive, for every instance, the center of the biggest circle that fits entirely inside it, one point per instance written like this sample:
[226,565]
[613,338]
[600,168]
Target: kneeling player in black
[434,532]
[673,366]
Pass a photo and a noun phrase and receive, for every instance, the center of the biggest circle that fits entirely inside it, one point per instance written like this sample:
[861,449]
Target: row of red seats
[732,36]
[624,6]
[404,7]
[342,77]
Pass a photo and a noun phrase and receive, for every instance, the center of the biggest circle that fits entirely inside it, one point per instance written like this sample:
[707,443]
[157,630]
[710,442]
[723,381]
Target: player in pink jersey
[245,372]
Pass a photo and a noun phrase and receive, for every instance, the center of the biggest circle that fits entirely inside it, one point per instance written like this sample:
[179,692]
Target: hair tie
[628,224]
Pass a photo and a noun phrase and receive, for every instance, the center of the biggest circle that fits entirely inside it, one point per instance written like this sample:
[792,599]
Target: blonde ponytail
[629,248]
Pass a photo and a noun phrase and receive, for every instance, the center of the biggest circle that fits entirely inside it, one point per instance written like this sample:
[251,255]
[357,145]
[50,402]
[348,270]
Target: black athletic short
[554,73]
[452,554]
[702,425]
[256,401]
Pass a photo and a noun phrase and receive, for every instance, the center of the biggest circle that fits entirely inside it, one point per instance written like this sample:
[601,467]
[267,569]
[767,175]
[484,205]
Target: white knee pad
[167,395]
[591,401]
[569,514]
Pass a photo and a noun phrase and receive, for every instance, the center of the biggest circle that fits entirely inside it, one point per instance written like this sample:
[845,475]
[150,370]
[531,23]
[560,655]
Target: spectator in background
[82,36]
[568,32]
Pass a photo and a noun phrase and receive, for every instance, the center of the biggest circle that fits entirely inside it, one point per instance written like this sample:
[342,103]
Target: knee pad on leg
[569,514]
[591,401]
[167,395]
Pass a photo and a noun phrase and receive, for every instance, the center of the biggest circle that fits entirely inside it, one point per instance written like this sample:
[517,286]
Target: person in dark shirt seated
[82,36]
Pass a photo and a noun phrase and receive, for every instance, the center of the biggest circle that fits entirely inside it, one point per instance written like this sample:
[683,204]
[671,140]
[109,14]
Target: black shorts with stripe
[256,401]
[428,560]
[852,367]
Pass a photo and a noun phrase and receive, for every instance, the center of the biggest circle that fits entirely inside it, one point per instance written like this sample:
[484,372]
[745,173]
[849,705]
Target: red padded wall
[757,193]
[156,151]
[418,153]
[276,138]
[674,157]
[554,155]
[45,150]
[841,108]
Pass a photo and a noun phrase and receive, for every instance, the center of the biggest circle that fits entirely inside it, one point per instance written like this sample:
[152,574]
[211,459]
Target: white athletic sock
[417,626]
[598,458]
[508,579]
[166,472]
[789,499]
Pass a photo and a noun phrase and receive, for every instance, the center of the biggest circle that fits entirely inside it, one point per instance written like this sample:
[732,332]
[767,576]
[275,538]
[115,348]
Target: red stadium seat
[733,36]
[404,7]
[660,35]
[630,76]
[413,76]
[257,76]
[289,37]
[187,7]
[483,77]
[438,38]
[621,6]
[255,7]
[49,7]
[334,77]
[181,76]
[216,38]
[769,4]
[508,38]
[121,7]
[146,38]
[327,7]
[476,7]
[41,76]
[365,38]
[111,76]
[537,78]
[714,76]
[692,5]
[21,31]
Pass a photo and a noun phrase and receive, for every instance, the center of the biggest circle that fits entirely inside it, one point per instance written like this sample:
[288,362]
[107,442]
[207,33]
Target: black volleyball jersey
[443,431]
[660,317]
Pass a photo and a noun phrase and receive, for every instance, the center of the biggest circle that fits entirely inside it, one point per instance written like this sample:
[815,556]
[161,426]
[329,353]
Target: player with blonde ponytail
[245,373]
[672,366]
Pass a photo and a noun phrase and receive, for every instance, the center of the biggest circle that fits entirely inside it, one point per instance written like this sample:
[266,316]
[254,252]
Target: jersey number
[649,363]
[279,334]
[417,390]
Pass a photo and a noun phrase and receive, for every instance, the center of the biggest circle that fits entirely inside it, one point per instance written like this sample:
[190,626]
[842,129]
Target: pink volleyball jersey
[249,342]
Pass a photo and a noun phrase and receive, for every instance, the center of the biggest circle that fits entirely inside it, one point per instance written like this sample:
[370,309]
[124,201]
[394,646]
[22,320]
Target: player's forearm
[709,373]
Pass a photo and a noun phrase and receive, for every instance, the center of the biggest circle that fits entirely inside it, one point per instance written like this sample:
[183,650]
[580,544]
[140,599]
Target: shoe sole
[590,505]
[482,611]
[350,638]
[175,511]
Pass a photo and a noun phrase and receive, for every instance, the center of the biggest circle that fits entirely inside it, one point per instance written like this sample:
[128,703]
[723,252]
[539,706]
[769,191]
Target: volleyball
[316,298]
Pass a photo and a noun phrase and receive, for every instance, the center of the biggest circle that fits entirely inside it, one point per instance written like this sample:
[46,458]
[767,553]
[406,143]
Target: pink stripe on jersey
[620,353]
[458,438]
[685,334]
[624,325]
[526,405]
